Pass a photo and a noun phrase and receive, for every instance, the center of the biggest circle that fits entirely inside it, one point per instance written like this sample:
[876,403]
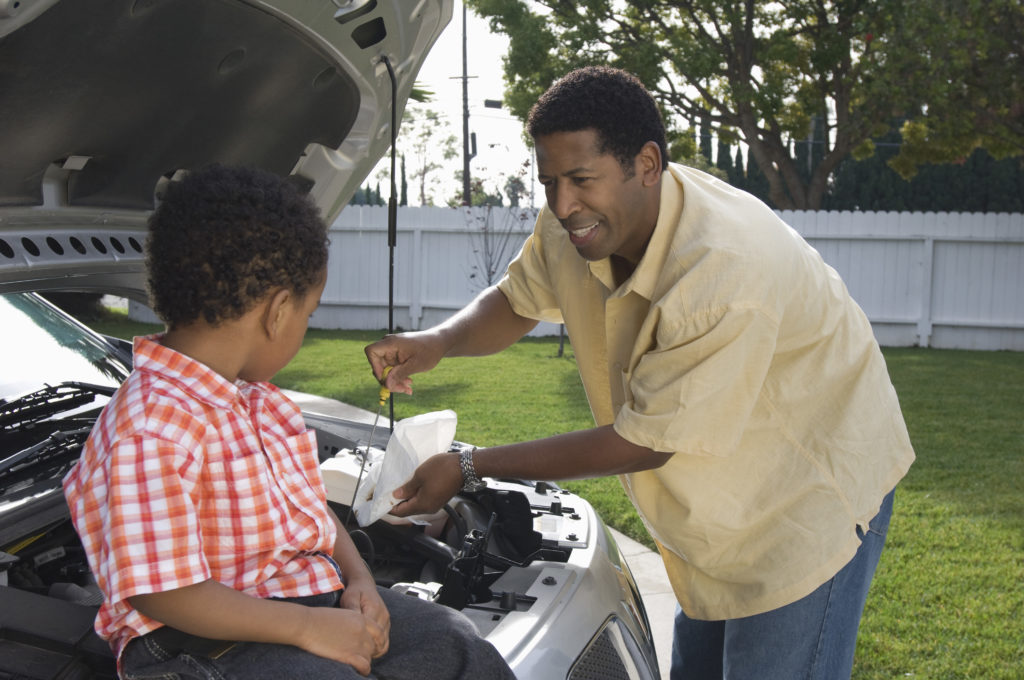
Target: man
[736,387]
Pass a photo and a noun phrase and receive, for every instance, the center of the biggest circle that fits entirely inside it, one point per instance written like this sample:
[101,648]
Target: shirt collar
[645,276]
[195,377]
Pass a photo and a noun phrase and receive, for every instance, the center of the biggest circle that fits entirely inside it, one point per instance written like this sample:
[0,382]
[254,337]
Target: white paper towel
[414,440]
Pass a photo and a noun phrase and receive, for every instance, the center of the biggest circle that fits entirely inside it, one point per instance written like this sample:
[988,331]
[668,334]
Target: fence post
[417,272]
[924,321]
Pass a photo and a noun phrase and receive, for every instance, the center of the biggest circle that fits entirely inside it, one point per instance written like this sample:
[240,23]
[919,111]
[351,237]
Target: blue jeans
[427,641]
[811,639]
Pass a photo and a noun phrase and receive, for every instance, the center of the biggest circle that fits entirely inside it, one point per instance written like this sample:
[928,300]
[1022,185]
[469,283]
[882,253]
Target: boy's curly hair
[610,101]
[223,238]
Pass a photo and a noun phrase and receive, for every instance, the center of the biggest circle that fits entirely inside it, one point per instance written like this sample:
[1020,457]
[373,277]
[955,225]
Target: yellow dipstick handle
[384,391]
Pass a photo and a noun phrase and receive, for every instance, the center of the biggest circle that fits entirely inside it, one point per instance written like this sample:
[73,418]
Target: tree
[760,72]
[404,191]
[738,177]
[478,194]
[514,189]
[428,141]
[723,160]
[704,144]
[978,183]
[975,83]
[495,236]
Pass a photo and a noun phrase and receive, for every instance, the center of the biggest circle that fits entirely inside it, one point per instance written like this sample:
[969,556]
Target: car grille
[600,661]
[612,654]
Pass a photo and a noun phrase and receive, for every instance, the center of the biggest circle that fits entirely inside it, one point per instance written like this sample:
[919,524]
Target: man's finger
[406,508]
[398,381]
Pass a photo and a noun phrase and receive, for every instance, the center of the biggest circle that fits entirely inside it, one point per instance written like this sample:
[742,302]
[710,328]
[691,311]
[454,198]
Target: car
[101,105]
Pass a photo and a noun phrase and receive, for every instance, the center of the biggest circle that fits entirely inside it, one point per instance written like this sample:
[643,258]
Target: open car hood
[103,102]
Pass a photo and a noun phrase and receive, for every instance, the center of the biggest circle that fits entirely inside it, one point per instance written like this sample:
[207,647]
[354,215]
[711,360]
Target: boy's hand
[211,609]
[360,595]
[341,634]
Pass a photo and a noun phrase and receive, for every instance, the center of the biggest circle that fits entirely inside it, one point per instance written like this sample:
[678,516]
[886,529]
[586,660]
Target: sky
[500,149]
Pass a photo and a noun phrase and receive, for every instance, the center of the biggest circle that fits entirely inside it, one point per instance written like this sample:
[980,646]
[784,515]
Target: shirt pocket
[238,514]
[295,459]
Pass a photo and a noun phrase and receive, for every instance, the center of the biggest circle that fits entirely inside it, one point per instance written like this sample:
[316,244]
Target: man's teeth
[579,233]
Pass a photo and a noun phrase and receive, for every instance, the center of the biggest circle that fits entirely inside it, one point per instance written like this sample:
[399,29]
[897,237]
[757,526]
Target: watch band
[470,481]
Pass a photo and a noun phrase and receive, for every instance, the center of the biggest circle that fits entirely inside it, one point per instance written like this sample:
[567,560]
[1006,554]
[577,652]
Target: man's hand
[433,484]
[406,353]
[484,326]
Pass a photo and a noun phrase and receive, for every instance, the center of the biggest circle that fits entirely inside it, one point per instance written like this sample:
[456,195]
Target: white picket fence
[947,280]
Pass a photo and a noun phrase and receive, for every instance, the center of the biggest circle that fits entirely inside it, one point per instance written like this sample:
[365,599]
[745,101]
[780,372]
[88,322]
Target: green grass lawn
[948,598]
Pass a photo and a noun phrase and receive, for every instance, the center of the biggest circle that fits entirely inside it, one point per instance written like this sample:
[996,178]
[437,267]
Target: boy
[198,497]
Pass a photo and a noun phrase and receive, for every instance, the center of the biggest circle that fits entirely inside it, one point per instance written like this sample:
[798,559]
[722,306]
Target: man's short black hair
[610,101]
[223,238]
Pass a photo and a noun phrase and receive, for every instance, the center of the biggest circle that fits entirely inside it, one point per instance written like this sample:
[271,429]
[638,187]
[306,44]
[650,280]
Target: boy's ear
[274,312]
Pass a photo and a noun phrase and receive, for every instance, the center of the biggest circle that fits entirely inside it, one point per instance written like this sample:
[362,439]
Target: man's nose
[563,202]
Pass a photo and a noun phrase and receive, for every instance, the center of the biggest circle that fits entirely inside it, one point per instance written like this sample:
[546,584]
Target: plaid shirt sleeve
[153,525]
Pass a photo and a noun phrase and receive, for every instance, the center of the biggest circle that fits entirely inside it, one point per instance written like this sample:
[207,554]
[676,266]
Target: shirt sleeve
[153,529]
[695,390]
[526,283]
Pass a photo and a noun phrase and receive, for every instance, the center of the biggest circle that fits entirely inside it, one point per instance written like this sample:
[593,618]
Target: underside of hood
[103,102]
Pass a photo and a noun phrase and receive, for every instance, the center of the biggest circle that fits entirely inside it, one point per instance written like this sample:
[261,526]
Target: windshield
[41,346]
[56,375]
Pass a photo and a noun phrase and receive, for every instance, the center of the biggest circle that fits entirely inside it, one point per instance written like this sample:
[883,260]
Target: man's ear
[275,311]
[649,164]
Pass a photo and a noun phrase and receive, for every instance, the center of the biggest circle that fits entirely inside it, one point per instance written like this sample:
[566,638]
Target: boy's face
[292,325]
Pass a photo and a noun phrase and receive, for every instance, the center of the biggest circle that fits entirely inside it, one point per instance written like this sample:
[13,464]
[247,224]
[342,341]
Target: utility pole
[467,139]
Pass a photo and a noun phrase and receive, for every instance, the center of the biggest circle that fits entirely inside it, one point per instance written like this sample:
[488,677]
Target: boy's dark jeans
[427,640]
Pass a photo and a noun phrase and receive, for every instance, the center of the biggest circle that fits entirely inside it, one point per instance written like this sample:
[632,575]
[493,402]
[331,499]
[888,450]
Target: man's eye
[581,180]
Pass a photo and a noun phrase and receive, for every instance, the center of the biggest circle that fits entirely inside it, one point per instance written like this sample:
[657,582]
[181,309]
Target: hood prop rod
[392,219]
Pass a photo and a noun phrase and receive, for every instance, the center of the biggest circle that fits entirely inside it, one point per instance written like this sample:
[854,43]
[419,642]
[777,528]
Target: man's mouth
[581,235]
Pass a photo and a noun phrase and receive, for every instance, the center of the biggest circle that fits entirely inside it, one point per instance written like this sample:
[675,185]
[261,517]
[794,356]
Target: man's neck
[622,269]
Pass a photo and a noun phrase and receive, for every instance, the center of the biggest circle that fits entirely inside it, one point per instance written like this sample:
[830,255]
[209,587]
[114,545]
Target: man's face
[605,212]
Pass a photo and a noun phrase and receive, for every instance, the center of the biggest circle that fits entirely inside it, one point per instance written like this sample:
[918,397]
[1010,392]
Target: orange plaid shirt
[187,477]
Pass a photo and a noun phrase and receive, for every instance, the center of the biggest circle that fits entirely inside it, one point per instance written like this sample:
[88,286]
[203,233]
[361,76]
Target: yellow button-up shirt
[736,347]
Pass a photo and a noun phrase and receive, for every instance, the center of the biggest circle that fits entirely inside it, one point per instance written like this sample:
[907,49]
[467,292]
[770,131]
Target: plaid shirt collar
[198,379]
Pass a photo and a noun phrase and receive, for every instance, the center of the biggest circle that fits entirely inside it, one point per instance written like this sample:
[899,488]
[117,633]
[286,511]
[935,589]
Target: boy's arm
[214,610]
[360,588]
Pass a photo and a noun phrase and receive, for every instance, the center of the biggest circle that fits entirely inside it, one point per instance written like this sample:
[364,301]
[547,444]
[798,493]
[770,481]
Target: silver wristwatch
[470,482]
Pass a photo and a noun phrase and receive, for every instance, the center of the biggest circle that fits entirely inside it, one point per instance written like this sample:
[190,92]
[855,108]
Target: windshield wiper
[43,461]
[49,401]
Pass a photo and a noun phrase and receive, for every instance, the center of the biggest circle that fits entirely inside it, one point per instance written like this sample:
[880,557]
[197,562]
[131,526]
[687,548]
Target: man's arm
[484,326]
[576,455]
[214,610]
